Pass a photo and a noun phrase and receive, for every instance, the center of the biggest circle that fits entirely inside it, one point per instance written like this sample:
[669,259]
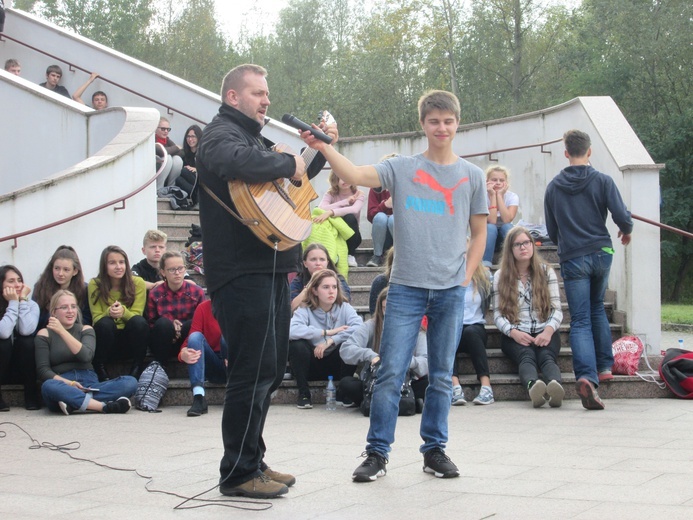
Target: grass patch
[682,314]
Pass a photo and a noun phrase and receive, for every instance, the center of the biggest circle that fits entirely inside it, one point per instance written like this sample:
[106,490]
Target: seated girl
[502,207]
[64,350]
[363,346]
[315,258]
[318,328]
[473,340]
[345,201]
[64,271]
[527,310]
[117,300]
[170,307]
[205,352]
[18,318]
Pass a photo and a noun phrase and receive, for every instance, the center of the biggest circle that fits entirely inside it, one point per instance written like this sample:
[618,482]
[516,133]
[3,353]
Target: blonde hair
[334,184]
[509,305]
[498,168]
[54,303]
[154,235]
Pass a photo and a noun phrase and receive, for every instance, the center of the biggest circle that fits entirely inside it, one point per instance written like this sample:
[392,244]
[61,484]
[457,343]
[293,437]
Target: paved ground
[633,460]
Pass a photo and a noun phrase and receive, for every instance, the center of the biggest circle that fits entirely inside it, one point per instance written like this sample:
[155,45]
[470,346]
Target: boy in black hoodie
[575,207]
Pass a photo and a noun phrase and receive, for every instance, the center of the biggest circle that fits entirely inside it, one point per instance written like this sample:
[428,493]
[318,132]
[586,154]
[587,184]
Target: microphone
[297,123]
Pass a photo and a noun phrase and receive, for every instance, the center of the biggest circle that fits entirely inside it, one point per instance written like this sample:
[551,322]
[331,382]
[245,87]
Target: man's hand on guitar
[300,168]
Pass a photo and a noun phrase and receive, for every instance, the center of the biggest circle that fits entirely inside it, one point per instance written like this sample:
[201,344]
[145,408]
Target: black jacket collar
[249,125]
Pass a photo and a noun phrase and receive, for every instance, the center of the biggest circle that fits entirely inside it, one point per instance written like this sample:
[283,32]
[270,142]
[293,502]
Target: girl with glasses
[171,306]
[64,351]
[527,310]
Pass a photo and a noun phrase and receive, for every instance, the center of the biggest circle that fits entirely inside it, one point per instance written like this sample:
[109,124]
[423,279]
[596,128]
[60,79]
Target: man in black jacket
[247,280]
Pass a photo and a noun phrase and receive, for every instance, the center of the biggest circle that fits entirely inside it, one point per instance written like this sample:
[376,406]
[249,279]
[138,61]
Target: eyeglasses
[193,136]
[523,245]
[65,308]
[175,270]
[165,128]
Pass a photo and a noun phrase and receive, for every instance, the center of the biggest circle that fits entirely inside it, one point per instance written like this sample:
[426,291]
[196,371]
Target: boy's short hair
[99,93]
[11,63]
[577,143]
[54,68]
[441,100]
[154,235]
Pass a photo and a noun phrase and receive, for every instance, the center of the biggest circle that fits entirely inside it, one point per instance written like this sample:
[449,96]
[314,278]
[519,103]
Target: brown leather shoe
[283,478]
[258,487]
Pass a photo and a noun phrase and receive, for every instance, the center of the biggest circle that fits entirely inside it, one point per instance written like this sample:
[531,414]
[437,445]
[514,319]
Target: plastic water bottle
[330,395]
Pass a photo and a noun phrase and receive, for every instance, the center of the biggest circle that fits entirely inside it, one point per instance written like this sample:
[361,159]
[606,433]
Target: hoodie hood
[574,179]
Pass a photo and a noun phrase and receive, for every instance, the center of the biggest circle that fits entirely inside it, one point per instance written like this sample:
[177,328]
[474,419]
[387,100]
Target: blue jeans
[210,365]
[382,225]
[406,307]
[54,390]
[585,279]
[495,233]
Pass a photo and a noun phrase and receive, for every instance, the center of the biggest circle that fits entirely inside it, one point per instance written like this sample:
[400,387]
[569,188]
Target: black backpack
[407,401]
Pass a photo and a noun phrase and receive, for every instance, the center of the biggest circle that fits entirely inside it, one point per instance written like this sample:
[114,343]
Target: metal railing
[678,231]
[120,200]
[512,149]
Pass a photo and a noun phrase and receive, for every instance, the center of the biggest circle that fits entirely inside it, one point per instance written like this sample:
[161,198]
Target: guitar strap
[245,221]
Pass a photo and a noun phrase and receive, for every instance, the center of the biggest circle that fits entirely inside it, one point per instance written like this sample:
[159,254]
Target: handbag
[369,375]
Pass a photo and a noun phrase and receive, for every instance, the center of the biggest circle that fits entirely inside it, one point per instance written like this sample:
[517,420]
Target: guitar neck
[308,155]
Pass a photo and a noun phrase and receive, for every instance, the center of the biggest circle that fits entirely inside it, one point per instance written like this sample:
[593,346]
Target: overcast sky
[256,14]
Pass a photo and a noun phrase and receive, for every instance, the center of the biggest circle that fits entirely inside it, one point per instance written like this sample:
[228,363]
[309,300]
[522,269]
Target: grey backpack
[151,387]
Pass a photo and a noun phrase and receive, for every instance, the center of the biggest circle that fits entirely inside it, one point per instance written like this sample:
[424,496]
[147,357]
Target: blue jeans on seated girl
[210,366]
[406,307]
[495,235]
[54,390]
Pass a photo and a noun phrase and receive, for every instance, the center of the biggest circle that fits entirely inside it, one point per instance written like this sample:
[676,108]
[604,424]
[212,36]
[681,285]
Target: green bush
[677,314]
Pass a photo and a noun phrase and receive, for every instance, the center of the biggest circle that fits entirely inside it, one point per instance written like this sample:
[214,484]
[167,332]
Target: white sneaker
[458,396]
[351,261]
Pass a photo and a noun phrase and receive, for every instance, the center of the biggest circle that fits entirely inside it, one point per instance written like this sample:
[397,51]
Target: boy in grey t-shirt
[436,196]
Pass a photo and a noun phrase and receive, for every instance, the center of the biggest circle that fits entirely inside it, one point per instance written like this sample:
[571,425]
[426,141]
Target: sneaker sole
[556,394]
[459,402]
[537,398]
[483,403]
[304,406]
[437,474]
[368,478]
[587,395]
[196,414]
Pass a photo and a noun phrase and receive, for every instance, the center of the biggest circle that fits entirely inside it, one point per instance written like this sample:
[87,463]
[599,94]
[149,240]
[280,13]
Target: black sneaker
[199,406]
[370,469]
[304,402]
[120,405]
[438,463]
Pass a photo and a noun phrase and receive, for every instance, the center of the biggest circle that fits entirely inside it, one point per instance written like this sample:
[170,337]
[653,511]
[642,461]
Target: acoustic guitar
[279,210]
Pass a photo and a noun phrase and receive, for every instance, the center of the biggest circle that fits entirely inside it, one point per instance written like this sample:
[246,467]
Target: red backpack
[676,371]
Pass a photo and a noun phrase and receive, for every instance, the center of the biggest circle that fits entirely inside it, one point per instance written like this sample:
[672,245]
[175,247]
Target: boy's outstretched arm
[343,167]
[477,244]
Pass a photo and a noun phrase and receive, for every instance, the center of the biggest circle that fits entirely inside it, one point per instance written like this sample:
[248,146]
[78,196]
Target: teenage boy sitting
[53,75]
[153,247]
[436,196]
[170,308]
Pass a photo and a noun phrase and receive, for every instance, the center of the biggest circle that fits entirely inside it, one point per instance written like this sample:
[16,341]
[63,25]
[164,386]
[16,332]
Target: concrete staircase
[504,379]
